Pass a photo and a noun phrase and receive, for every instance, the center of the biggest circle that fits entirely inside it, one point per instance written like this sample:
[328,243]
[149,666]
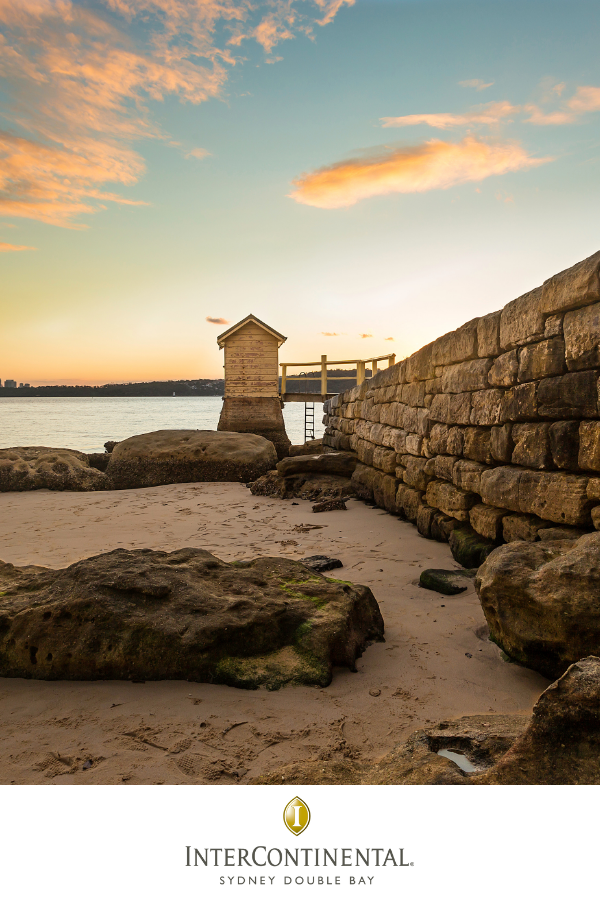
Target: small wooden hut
[251,401]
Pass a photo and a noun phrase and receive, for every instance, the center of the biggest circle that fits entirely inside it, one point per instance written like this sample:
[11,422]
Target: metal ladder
[309,422]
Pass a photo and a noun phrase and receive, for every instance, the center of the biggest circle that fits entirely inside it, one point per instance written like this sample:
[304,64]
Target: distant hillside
[200,387]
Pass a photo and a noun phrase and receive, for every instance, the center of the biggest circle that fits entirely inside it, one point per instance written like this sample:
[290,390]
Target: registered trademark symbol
[412,864]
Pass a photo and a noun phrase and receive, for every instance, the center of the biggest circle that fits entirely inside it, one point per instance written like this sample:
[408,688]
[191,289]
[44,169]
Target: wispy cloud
[198,153]
[389,339]
[330,333]
[476,83]
[214,321]
[365,335]
[486,114]
[81,81]
[13,248]
[586,99]
[429,166]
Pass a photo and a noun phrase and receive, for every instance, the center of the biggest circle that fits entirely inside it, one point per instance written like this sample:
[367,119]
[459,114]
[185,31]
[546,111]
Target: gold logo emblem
[296,816]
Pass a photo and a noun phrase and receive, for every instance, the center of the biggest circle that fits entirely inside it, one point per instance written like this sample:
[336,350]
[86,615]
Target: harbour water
[85,423]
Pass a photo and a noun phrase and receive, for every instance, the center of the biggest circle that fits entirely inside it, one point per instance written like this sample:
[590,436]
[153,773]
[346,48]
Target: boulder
[561,745]
[304,487]
[444,581]
[175,457]
[310,448]
[99,461]
[322,464]
[541,601]
[32,468]
[469,548]
[148,615]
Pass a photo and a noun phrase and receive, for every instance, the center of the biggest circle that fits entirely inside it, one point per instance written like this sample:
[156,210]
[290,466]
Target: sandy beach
[435,664]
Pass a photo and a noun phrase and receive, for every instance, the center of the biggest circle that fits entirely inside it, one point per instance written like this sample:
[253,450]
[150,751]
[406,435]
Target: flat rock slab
[176,457]
[342,463]
[322,563]
[541,601]
[148,615]
[329,505]
[444,581]
[56,469]
[315,487]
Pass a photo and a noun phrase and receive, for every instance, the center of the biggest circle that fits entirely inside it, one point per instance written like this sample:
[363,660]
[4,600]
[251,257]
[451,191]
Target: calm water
[85,423]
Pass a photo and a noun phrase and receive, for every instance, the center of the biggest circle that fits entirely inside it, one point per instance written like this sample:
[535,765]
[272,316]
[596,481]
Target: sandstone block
[450,499]
[593,489]
[596,517]
[522,320]
[556,496]
[378,488]
[413,444]
[553,326]
[501,443]
[564,444]
[413,394]
[582,338]
[519,403]
[385,460]
[466,376]
[505,369]
[425,516]
[477,445]
[571,396]
[456,440]
[443,466]
[398,439]
[370,410]
[438,438]
[522,528]
[456,346]
[409,501]
[439,411]
[466,475]
[389,489]
[415,474]
[424,423]
[486,407]
[488,334]
[419,366]
[487,521]
[532,445]
[500,487]
[542,360]
[589,446]
[459,412]
[572,288]
[365,450]
[400,470]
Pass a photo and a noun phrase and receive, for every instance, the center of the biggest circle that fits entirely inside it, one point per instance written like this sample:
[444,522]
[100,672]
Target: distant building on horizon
[10,383]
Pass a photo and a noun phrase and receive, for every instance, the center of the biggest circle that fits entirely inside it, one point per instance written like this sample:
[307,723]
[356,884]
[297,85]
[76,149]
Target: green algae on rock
[149,615]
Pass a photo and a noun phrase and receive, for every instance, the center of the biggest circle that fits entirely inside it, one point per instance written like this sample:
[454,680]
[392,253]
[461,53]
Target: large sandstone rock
[174,457]
[562,742]
[542,360]
[556,496]
[541,601]
[571,396]
[146,615]
[323,463]
[32,468]
[314,487]
[522,320]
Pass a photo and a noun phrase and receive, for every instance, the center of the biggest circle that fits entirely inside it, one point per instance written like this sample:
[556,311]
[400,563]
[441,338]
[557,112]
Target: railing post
[374,370]
[283,378]
[323,375]
[392,361]
[360,371]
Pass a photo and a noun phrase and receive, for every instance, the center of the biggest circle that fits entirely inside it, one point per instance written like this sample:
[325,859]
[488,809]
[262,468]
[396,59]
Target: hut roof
[251,318]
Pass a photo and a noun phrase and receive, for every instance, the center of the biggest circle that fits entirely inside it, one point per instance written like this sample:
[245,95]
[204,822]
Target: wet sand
[436,663]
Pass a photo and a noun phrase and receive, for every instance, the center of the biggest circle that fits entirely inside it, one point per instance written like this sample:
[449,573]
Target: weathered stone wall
[494,426]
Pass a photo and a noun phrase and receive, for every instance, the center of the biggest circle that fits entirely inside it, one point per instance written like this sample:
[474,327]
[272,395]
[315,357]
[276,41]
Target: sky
[363,176]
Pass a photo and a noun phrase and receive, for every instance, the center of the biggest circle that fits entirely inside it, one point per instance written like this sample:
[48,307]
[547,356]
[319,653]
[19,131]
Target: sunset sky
[349,172]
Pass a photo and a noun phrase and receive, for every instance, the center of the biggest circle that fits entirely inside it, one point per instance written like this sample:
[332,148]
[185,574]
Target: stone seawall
[491,430]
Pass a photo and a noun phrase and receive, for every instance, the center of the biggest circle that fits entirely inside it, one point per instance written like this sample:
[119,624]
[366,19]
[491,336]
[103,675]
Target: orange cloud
[476,83]
[365,335]
[487,114]
[217,321]
[389,339]
[198,153]
[330,333]
[13,248]
[429,166]
[585,99]
[80,84]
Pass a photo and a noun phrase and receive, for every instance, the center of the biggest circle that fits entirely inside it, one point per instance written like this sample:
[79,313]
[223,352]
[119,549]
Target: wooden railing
[324,363]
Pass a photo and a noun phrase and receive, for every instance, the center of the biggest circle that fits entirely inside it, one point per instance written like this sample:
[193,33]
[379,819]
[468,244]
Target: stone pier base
[256,415]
